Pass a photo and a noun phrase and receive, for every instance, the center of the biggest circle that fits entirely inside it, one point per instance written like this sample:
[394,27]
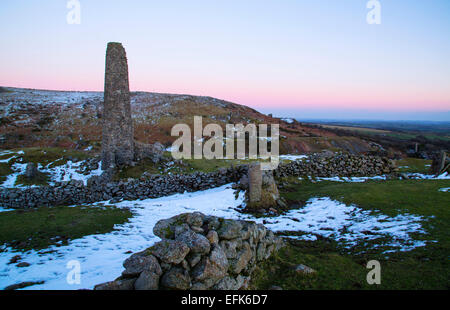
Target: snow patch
[293,157]
[349,225]
[420,176]
[288,120]
[349,179]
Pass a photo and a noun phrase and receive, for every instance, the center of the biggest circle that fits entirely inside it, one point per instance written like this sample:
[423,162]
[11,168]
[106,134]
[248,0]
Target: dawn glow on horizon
[282,56]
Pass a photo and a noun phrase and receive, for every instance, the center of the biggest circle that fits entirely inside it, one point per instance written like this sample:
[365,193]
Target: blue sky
[303,58]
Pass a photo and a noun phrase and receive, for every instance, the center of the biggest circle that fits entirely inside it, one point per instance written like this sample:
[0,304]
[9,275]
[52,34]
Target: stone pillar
[254,182]
[117,140]
[440,164]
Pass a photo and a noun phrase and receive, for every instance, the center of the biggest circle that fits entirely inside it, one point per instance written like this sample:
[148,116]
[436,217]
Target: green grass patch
[45,156]
[39,228]
[5,170]
[336,270]
[414,165]
[41,179]
[422,268]
[168,165]
[55,155]
[136,172]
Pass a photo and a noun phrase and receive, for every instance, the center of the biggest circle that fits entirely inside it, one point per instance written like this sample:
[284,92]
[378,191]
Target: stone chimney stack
[117,141]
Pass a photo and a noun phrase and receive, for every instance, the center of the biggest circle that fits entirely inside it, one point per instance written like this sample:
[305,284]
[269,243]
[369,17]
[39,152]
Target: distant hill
[72,119]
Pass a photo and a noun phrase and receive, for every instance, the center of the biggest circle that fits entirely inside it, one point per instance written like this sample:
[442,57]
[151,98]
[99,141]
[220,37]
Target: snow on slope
[101,256]
[57,173]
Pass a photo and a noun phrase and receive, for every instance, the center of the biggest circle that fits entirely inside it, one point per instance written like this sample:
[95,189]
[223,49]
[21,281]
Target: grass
[5,170]
[187,166]
[39,228]
[48,155]
[41,179]
[423,268]
[414,165]
[45,156]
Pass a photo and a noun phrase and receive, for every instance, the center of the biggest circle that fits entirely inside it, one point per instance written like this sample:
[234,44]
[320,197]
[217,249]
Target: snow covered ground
[57,173]
[347,179]
[349,225]
[293,157]
[420,176]
[288,120]
[101,256]
[415,176]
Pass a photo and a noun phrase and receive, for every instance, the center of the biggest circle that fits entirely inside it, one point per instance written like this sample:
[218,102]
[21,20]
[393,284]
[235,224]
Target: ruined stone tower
[117,142]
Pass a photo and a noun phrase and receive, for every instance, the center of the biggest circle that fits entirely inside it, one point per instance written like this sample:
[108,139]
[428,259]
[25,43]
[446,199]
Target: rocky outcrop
[440,164]
[153,151]
[101,188]
[31,171]
[198,252]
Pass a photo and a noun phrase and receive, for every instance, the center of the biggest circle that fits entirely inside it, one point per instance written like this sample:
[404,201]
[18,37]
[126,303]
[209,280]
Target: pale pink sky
[295,56]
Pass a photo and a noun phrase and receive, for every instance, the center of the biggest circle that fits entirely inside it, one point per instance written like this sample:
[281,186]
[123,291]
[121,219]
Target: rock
[243,182]
[255,182]
[147,280]
[165,229]
[195,219]
[212,222]
[212,237]
[302,269]
[138,262]
[230,229]
[181,229]
[118,285]
[15,259]
[22,285]
[229,283]
[176,279]
[212,268]
[197,243]
[230,248]
[243,258]
[31,171]
[23,264]
[154,151]
[170,251]
[275,288]
[193,259]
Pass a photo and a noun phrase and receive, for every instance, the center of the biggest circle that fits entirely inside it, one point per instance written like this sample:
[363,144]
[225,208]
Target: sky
[292,58]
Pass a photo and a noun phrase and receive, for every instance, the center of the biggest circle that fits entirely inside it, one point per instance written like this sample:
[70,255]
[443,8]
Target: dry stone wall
[344,165]
[100,188]
[198,252]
